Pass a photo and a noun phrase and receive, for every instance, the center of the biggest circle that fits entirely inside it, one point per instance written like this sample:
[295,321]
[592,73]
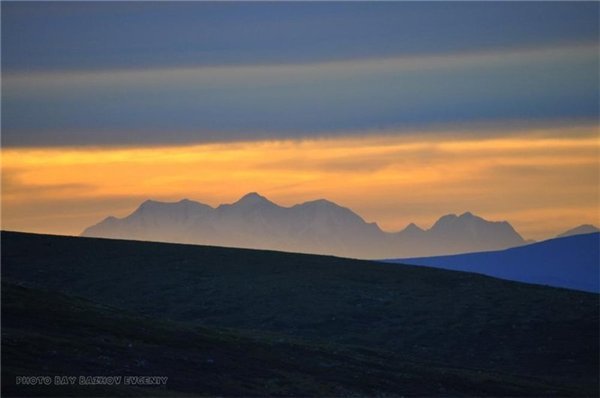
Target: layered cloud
[200,104]
[101,36]
[159,73]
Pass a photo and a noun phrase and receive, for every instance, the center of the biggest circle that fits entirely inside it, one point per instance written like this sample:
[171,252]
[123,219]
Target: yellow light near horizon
[389,179]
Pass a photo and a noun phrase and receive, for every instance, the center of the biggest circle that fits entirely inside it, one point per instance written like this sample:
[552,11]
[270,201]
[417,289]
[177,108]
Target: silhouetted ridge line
[318,226]
[571,262]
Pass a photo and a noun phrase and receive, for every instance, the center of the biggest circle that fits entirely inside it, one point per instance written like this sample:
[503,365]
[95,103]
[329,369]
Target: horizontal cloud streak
[32,82]
[71,36]
[251,102]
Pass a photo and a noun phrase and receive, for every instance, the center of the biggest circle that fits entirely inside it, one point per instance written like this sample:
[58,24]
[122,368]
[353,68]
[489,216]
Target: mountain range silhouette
[318,226]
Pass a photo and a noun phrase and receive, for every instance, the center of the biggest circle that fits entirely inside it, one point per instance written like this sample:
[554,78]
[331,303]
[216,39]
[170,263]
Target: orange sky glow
[542,180]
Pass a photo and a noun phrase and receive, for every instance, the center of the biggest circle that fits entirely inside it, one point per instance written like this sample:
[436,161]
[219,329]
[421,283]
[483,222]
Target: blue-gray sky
[159,73]
[402,111]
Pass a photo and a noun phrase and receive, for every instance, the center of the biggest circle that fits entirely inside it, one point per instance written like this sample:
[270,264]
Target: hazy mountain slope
[464,233]
[453,319]
[580,230]
[47,333]
[572,262]
[319,226]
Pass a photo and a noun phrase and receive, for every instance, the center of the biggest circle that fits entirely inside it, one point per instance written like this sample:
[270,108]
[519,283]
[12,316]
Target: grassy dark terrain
[52,334]
[222,321]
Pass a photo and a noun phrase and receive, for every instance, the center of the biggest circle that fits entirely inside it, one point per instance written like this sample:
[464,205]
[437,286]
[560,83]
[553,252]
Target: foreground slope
[431,317]
[81,338]
[571,262]
[317,226]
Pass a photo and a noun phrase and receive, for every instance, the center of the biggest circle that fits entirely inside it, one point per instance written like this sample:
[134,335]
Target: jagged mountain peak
[148,202]
[329,210]
[445,220]
[252,196]
[469,230]
[321,203]
[110,219]
[252,199]
[146,206]
[466,218]
[155,204]
[580,230]
[470,218]
[412,228]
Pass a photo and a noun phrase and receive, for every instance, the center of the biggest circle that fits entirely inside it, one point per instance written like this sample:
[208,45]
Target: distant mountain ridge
[459,234]
[571,262]
[318,226]
[580,230]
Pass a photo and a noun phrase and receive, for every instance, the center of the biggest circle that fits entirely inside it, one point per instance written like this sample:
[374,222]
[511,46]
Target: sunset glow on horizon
[389,179]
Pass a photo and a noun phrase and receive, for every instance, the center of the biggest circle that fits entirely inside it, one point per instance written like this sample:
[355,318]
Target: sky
[402,111]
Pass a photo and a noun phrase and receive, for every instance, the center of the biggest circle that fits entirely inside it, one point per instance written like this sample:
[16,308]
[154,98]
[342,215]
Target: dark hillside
[413,314]
[570,262]
[82,338]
